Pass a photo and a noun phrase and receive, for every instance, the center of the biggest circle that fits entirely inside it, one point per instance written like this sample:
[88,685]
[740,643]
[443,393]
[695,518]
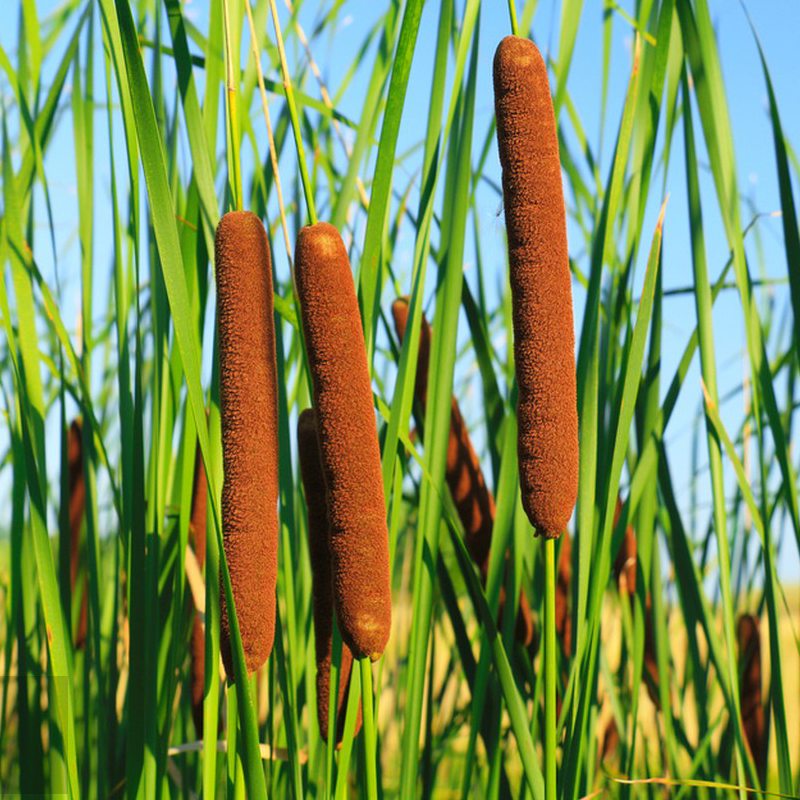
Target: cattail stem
[512,12]
[342,781]
[298,138]
[369,729]
[550,670]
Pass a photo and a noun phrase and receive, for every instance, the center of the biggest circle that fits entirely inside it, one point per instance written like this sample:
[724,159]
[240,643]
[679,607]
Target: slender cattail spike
[625,562]
[249,416]
[473,500]
[197,520]
[77,508]
[749,641]
[625,576]
[400,314]
[563,579]
[348,439]
[197,531]
[541,289]
[322,588]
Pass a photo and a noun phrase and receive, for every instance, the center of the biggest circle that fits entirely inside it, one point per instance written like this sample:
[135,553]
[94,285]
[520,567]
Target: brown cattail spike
[563,581]
[749,641]
[348,440]
[544,338]
[322,589]
[249,415]
[197,531]
[473,500]
[77,508]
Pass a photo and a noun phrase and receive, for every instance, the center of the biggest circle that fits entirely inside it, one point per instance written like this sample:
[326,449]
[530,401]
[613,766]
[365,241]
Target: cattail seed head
[249,416]
[348,440]
[473,500]
[749,640]
[77,508]
[197,531]
[562,596]
[544,338]
[322,588]
[625,562]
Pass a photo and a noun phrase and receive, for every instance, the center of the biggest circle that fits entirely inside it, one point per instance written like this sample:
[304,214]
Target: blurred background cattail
[322,588]
[473,499]
[77,508]
[197,535]
[541,288]
[625,577]
[748,638]
[249,417]
[348,439]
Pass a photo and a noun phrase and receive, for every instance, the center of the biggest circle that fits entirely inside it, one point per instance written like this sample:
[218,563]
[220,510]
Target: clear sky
[777,22]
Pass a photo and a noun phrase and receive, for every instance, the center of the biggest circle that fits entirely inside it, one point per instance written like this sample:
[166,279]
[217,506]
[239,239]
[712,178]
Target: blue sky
[777,23]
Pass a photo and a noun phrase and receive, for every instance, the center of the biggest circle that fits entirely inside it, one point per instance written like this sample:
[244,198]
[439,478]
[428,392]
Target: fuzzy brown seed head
[473,500]
[749,641]
[197,529]
[562,598]
[348,440]
[197,520]
[77,495]
[400,314]
[249,416]
[625,562]
[77,508]
[322,588]
[544,337]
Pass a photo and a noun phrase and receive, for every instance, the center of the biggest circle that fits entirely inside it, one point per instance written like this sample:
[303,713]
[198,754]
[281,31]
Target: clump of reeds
[473,500]
[544,339]
[77,508]
[249,416]
[348,441]
[749,641]
[322,587]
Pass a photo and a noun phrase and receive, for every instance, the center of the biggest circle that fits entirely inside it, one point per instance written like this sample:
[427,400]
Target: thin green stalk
[232,120]
[549,669]
[512,12]
[369,728]
[298,138]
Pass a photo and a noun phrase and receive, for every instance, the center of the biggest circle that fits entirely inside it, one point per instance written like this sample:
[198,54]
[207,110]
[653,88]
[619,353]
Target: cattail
[563,580]
[249,416]
[77,508]
[749,641]
[625,562]
[541,290]
[348,440]
[197,531]
[625,576]
[473,500]
[610,740]
[322,588]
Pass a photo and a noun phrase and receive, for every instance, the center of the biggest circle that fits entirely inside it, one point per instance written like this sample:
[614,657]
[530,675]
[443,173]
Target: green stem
[550,670]
[232,122]
[369,728]
[298,139]
[513,14]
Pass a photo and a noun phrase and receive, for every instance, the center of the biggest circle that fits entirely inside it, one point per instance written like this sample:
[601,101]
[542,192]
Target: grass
[166,130]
